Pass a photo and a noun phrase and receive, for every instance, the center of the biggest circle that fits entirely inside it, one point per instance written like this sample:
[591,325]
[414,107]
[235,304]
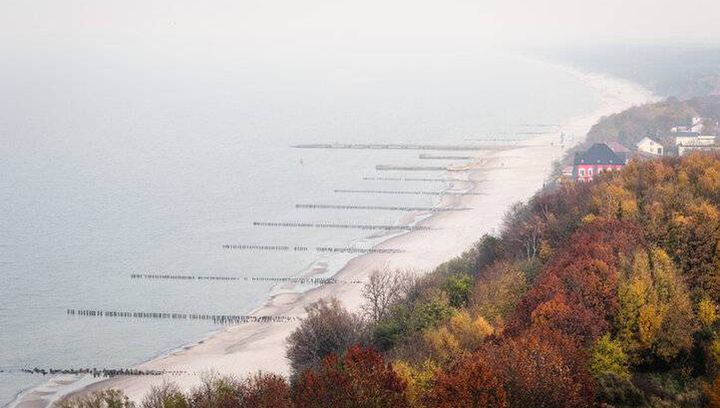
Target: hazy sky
[157,27]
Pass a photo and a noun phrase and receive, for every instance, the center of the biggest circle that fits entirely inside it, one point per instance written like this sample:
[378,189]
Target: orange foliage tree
[542,368]
[471,383]
[265,391]
[358,379]
[577,290]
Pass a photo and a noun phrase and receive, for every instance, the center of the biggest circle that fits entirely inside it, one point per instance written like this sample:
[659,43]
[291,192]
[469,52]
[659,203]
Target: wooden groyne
[540,125]
[300,280]
[374,207]
[304,281]
[344,226]
[397,146]
[424,179]
[317,249]
[433,193]
[434,157]
[505,140]
[216,319]
[265,247]
[95,372]
[390,167]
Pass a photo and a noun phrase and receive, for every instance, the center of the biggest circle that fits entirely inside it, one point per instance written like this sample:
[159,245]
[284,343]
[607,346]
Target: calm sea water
[108,170]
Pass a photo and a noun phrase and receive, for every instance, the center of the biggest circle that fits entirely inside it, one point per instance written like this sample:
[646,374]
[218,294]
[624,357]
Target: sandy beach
[504,177]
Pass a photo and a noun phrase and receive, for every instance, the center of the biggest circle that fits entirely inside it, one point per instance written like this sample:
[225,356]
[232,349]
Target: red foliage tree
[583,273]
[360,379]
[571,319]
[542,368]
[471,383]
[265,391]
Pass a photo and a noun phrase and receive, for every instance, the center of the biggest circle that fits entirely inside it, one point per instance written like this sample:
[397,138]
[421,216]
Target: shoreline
[506,176]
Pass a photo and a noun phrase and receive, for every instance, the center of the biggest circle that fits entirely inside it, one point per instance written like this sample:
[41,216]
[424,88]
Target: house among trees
[598,158]
[650,146]
[694,125]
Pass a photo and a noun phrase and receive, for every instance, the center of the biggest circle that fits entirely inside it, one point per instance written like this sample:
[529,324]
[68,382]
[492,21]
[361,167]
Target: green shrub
[459,288]
[618,391]
[608,356]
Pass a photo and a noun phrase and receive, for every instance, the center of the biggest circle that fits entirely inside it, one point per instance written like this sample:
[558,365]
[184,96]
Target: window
[582,173]
[589,172]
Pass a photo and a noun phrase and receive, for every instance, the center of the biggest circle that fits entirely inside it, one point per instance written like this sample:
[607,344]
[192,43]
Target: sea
[112,169]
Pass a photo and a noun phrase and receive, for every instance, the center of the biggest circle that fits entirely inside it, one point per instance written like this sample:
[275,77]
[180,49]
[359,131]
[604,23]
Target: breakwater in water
[397,146]
[422,179]
[377,207]
[346,250]
[393,192]
[95,372]
[217,319]
[439,157]
[346,226]
[314,281]
[392,167]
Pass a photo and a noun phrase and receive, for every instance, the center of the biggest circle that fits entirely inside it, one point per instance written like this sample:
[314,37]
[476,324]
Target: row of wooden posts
[342,226]
[95,372]
[349,250]
[300,280]
[217,319]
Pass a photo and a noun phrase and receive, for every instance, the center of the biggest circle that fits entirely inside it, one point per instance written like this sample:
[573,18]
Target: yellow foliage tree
[419,380]
[444,346]
[633,295]
[707,312]
[709,180]
[460,336]
[612,200]
[655,313]
[545,251]
[693,239]
[606,356]
[469,332]
[497,293]
[678,320]
[649,323]
[714,351]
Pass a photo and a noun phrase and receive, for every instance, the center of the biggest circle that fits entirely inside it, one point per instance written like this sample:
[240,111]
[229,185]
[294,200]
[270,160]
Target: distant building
[647,145]
[683,150]
[597,159]
[687,144]
[694,140]
[695,125]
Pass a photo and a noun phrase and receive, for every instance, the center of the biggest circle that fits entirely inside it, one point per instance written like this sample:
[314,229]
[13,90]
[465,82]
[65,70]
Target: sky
[210,28]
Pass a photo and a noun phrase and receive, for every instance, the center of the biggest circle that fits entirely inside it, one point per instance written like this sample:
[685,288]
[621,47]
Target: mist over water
[115,169]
